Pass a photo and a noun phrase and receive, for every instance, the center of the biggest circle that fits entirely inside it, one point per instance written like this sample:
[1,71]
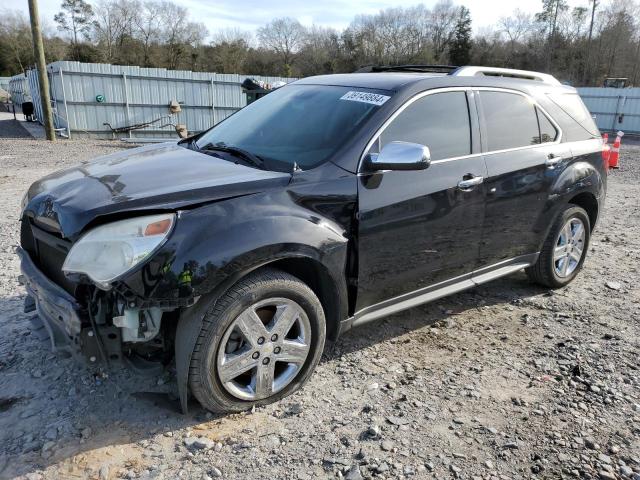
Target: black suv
[331,202]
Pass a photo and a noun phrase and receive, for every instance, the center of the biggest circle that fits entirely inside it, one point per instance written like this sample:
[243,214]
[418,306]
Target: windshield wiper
[248,156]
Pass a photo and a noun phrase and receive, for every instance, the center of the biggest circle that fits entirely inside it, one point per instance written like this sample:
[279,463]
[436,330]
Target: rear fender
[577,178]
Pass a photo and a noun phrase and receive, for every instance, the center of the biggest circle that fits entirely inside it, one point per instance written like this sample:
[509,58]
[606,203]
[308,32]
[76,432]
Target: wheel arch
[331,292]
[326,281]
[589,203]
[318,279]
[580,184]
[584,198]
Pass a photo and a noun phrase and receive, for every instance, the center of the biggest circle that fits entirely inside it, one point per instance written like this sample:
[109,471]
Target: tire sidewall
[293,290]
[569,213]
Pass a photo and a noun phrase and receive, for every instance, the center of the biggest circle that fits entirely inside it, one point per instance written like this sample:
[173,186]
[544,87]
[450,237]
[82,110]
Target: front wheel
[564,250]
[259,343]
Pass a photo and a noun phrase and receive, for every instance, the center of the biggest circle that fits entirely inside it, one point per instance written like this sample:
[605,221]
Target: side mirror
[399,156]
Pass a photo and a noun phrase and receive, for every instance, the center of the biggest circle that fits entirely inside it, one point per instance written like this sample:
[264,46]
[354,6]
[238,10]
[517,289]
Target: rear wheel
[260,342]
[564,250]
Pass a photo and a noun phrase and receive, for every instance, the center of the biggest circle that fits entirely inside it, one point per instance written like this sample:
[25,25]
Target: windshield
[297,124]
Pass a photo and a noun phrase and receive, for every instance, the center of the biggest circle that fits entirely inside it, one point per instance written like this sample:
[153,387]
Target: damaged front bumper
[65,320]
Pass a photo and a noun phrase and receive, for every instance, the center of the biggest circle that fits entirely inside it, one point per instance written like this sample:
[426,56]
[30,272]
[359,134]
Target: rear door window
[510,120]
[440,121]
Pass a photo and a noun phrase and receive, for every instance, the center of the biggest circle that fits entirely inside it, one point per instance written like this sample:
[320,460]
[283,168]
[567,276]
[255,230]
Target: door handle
[553,160]
[468,183]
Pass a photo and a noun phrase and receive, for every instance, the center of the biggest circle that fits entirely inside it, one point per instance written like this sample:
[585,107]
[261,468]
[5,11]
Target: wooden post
[43,80]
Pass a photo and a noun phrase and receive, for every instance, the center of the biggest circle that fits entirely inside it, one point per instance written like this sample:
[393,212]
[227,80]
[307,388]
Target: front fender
[223,242]
[218,241]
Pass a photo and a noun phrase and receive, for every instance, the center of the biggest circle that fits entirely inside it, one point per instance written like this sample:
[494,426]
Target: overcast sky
[250,14]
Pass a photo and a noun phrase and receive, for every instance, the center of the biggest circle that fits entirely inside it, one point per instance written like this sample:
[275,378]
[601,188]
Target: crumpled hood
[162,176]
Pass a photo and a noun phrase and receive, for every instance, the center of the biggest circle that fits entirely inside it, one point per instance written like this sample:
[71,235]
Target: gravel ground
[503,381]
[10,128]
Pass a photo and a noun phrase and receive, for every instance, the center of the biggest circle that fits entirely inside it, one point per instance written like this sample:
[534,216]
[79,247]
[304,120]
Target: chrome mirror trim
[400,156]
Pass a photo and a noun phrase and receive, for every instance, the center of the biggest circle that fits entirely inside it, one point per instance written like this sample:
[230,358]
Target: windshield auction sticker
[365,97]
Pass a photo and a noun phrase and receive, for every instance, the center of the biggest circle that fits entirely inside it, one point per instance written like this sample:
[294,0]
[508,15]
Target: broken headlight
[109,251]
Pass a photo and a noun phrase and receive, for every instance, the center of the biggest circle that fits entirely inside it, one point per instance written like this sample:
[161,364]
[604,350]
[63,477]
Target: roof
[378,80]
[395,81]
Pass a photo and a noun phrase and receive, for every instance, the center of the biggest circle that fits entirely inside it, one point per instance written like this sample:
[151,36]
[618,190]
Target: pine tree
[460,49]
[76,18]
[551,11]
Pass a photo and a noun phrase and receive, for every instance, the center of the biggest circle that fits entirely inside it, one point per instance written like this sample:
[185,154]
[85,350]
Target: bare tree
[395,35]
[443,22]
[575,24]
[178,33]
[320,51]
[285,37]
[231,35]
[617,34]
[147,28]
[15,33]
[517,28]
[229,50]
[113,22]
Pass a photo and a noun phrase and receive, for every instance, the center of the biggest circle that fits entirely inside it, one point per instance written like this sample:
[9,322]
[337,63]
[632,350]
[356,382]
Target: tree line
[580,45]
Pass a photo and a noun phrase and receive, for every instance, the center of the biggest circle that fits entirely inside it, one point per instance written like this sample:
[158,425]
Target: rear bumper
[59,311]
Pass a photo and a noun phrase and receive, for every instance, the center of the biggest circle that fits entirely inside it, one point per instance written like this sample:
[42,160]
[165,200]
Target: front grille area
[48,251]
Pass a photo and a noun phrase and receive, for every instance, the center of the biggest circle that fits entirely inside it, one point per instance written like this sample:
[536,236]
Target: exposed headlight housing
[109,251]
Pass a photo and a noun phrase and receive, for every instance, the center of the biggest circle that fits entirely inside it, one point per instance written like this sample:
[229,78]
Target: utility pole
[43,80]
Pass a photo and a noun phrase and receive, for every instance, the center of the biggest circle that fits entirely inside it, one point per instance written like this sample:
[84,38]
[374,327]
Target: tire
[548,271]
[265,292]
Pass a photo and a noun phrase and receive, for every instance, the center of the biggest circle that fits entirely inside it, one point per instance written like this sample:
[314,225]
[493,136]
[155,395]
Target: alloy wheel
[264,349]
[569,247]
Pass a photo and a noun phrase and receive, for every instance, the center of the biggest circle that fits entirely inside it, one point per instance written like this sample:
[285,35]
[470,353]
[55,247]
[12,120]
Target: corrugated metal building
[85,96]
[614,108]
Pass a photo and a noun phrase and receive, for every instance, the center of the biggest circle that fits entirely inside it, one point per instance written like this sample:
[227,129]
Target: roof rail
[506,72]
[407,68]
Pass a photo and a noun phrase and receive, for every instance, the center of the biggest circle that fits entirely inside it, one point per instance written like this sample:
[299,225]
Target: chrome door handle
[469,183]
[553,160]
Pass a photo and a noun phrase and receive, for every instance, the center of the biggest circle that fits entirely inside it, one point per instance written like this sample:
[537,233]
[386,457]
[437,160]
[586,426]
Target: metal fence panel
[614,108]
[136,95]
[34,90]
[131,95]
[4,83]
[19,89]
